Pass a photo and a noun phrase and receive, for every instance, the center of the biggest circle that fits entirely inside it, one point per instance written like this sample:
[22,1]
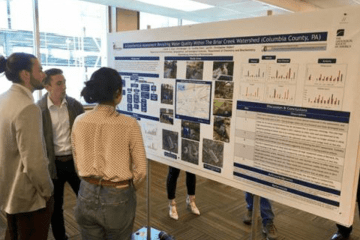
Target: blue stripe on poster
[138,58]
[263,39]
[190,58]
[150,75]
[288,179]
[192,119]
[290,190]
[139,116]
[312,113]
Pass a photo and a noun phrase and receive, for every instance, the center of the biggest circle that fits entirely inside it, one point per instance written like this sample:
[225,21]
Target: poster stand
[255,216]
[147,232]
[148,180]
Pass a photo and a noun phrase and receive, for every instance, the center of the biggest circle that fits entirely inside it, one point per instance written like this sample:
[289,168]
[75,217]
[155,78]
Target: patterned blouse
[109,145]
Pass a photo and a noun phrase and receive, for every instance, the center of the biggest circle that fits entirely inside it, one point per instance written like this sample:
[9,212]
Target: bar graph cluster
[281,94]
[253,72]
[326,75]
[257,74]
[283,72]
[284,95]
[287,75]
[318,97]
[252,91]
[327,78]
[325,100]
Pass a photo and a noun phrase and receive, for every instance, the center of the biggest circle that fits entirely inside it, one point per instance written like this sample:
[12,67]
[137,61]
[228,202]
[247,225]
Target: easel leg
[148,180]
[255,216]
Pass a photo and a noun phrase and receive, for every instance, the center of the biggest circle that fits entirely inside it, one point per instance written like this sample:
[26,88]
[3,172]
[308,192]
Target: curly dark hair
[102,86]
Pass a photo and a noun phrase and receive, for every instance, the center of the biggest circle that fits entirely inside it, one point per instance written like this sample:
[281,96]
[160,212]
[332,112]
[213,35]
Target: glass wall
[188,22]
[16,26]
[72,35]
[156,21]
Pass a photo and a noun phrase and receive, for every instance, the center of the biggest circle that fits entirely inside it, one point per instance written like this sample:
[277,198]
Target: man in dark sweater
[58,114]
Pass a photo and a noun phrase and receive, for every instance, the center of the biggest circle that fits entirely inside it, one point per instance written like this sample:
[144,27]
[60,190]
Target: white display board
[268,105]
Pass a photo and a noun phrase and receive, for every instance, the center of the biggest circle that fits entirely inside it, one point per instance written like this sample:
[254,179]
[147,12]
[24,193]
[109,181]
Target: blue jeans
[105,212]
[265,208]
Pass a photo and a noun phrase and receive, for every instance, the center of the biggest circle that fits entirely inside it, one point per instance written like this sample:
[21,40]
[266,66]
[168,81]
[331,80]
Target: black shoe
[66,237]
[339,236]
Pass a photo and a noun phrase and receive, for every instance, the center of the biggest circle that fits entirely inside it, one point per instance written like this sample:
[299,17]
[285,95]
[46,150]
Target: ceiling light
[183,5]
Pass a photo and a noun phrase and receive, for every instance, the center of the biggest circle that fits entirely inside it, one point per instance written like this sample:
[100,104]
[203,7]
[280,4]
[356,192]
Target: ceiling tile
[332,3]
[248,7]
[215,12]
[223,10]
[221,3]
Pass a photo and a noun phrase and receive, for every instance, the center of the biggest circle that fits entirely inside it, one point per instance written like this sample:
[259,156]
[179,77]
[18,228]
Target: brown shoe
[248,217]
[270,230]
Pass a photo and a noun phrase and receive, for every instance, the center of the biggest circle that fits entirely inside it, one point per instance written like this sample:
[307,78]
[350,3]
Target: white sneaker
[190,202]
[173,211]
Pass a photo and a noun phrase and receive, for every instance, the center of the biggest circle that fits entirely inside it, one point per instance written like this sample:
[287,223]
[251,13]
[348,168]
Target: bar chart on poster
[267,105]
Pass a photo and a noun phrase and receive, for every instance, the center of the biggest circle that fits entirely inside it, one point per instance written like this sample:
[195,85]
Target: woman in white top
[110,158]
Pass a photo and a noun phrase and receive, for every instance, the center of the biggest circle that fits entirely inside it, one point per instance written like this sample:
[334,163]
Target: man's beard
[37,85]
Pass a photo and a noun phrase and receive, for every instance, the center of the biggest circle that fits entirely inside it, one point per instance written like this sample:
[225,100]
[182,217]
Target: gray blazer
[74,108]
[24,177]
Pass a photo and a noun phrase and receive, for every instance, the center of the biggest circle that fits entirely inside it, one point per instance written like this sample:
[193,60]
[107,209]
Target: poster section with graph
[270,110]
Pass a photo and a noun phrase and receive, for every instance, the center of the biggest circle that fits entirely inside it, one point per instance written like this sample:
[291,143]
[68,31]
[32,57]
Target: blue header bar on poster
[149,75]
[190,58]
[288,179]
[139,116]
[293,111]
[264,39]
[138,58]
[287,189]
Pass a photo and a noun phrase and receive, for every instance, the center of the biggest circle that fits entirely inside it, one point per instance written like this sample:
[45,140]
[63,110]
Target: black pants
[65,173]
[345,231]
[172,180]
[30,225]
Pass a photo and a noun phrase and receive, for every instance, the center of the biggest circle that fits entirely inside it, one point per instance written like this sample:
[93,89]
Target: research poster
[268,105]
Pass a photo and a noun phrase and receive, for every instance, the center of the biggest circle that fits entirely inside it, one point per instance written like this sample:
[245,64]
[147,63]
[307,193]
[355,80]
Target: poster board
[267,105]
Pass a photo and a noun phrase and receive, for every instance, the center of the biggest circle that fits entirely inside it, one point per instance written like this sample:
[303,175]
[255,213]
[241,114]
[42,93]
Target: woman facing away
[110,158]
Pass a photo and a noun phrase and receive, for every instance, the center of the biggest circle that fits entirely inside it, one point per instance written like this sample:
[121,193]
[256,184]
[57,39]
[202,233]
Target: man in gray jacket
[58,114]
[25,184]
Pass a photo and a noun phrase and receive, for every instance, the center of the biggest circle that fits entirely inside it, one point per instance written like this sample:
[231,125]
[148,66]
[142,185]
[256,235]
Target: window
[156,21]
[72,34]
[16,26]
[188,22]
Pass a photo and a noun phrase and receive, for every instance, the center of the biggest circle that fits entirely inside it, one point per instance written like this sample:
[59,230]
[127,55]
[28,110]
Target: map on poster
[267,105]
[193,100]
